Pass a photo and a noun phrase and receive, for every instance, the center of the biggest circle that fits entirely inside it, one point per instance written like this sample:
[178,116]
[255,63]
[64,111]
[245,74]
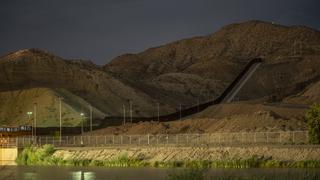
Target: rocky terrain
[185,72]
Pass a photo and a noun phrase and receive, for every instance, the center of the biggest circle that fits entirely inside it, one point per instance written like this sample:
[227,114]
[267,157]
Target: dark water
[100,173]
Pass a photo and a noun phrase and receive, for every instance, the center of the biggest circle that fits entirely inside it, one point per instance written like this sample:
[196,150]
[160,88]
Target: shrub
[313,120]
[37,156]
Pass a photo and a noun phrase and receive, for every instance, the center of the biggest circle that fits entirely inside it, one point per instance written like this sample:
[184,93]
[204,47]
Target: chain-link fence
[288,137]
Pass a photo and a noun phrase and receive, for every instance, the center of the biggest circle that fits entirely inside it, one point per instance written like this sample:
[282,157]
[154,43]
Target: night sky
[101,30]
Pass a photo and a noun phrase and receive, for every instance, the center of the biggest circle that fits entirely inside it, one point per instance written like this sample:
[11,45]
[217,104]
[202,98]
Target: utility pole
[91,115]
[124,114]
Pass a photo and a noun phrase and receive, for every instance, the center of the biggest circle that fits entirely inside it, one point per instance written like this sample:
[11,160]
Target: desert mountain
[202,67]
[185,72]
[24,70]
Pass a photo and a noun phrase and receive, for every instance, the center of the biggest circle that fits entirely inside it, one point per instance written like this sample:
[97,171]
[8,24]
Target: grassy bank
[43,156]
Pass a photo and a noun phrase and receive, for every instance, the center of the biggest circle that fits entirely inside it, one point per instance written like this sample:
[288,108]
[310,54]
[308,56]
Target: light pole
[130,111]
[91,114]
[29,113]
[81,114]
[60,117]
[35,119]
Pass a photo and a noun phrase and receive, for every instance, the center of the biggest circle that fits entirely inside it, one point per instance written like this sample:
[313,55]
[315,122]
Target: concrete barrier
[8,156]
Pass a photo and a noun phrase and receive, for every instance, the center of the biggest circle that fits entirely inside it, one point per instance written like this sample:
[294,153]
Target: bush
[37,156]
[313,120]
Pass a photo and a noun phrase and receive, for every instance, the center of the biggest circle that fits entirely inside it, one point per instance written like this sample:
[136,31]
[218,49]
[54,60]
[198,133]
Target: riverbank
[203,157]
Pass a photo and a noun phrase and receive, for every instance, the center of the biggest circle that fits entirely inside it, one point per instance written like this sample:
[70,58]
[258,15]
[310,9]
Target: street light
[35,119]
[60,117]
[91,114]
[29,113]
[130,111]
[81,114]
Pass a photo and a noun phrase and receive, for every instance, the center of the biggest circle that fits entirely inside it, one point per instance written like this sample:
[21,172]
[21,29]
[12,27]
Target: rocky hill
[204,66]
[185,72]
[24,70]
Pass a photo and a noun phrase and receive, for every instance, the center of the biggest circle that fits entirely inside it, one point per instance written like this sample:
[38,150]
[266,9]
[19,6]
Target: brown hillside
[185,72]
[34,68]
[204,66]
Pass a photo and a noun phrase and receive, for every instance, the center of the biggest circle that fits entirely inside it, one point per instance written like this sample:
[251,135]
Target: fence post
[121,139]
[130,139]
[255,137]
[74,140]
[148,139]
[112,139]
[105,140]
[307,137]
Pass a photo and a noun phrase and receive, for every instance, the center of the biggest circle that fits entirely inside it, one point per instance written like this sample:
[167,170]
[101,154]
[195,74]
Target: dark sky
[100,30]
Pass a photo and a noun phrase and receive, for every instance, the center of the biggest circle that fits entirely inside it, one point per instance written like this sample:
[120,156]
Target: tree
[313,120]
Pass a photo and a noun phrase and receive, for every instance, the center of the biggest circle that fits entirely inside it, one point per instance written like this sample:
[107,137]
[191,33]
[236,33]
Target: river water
[100,173]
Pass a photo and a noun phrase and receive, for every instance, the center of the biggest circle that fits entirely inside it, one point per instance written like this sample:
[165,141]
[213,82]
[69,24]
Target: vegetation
[313,119]
[43,156]
[37,156]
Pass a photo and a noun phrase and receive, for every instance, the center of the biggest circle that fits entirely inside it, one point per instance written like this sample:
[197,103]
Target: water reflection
[80,175]
[30,176]
[99,173]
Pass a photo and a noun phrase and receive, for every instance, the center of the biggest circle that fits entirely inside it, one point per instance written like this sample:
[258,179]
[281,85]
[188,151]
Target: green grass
[43,156]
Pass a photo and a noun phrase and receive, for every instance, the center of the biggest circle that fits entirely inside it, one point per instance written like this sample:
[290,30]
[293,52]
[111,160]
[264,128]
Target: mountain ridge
[186,72]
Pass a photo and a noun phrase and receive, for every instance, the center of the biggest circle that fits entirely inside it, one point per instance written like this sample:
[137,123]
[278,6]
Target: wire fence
[213,139]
